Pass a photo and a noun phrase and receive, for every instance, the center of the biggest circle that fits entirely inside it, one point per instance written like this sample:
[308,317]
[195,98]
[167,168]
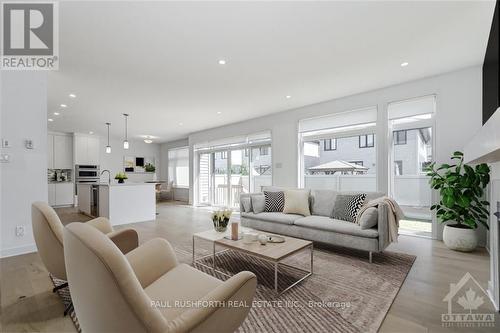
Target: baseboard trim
[16,251]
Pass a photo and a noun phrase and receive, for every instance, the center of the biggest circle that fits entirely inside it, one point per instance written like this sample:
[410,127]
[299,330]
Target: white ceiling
[158,61]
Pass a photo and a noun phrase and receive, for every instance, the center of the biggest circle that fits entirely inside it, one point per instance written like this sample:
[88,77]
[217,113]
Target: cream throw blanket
[394,215]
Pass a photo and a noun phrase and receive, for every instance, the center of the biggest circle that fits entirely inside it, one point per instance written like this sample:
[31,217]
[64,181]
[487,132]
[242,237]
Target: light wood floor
[28,304]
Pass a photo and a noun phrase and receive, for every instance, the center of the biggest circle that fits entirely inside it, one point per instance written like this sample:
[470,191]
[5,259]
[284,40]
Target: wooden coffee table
[274,253]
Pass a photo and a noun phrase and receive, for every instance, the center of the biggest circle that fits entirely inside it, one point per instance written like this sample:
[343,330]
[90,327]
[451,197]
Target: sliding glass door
[411,150]
[223,175]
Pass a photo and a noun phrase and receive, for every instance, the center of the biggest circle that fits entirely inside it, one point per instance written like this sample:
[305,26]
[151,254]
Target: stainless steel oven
[87,172]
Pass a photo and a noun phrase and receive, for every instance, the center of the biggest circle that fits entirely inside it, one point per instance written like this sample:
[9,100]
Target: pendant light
[108,147]
[125,142]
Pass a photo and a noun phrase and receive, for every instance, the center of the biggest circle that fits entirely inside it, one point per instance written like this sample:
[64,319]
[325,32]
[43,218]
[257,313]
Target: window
[178,166]
[329,144]
[264,151]
[400,137]
[330,153]
[222,155]
[366,141]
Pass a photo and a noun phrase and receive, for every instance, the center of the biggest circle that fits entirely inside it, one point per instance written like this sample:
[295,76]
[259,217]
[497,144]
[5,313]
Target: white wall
[23,107]
[180,194]
[458,117]
[114,161]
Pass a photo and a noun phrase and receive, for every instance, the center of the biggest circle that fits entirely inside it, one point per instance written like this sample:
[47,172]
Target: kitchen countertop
[124,184]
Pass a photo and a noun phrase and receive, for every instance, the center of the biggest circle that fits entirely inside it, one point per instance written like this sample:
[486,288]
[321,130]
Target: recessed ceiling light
[219,112]
[222,62]
[64,105]
[50,120]
[91,132]
[56,113]
[180,124]
[72,95]
[148,139]
[404,64]
[288,96]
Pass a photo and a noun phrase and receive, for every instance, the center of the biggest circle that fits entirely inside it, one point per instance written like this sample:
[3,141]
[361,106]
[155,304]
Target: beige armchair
[147,290]
[48,233]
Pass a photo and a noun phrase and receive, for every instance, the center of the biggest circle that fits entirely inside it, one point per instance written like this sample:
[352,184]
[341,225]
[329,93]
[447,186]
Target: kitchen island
[121,203]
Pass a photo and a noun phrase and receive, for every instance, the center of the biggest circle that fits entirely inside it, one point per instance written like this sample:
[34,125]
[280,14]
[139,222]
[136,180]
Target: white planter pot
[459,239]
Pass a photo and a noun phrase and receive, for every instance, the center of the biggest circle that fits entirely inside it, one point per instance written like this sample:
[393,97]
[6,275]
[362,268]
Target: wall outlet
[4,158]
[20,231]
[29,144]
[6,143]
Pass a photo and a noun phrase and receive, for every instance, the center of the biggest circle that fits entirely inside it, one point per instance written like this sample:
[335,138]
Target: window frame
[396,137]
[332,144]
[366,144]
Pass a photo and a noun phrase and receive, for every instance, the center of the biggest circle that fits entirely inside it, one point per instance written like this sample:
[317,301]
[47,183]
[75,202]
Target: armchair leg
[64,285]
[370,256]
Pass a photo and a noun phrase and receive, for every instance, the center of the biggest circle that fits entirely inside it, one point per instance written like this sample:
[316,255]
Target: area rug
[66,299]
[345,294]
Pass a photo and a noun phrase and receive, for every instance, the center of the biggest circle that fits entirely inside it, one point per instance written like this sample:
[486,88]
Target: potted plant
[121,176]
[220,219]
[149,167]
[462,205]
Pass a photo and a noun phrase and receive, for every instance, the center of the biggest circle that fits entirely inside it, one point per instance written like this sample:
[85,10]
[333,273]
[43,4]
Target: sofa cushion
[246,202]
[273,217]
[258,202]
[322,202]
[329,224]
[274,201]
[297,202]
[347,206]
[369,218]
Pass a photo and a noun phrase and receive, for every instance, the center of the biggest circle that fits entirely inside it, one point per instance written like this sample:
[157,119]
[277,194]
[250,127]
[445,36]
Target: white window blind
[178,166]
[342,124]
[419,106]
[235,142]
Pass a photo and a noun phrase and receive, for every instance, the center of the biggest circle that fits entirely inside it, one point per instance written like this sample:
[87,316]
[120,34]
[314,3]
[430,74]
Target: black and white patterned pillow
[347,206]
[274,201]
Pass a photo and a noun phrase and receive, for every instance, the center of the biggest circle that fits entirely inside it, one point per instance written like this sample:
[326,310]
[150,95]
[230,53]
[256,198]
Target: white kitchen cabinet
[63,152]
[86,149]
[50,151]
[93,150]
[64,194]
[61,194]
[59,151]
[52,194]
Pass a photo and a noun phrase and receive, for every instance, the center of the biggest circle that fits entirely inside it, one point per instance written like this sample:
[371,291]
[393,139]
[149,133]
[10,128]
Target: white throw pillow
[258,203]
[297,202]
[247,204]
[369,218]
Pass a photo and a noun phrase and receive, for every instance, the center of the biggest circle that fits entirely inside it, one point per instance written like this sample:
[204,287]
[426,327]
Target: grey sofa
[320,227]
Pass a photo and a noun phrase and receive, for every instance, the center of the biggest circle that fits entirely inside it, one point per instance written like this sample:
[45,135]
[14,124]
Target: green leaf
[448,200]
[468,169]
[463,201]
[443,166]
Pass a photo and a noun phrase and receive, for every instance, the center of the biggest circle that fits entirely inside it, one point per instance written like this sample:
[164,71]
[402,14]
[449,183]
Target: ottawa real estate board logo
[30,36]
[465,299]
